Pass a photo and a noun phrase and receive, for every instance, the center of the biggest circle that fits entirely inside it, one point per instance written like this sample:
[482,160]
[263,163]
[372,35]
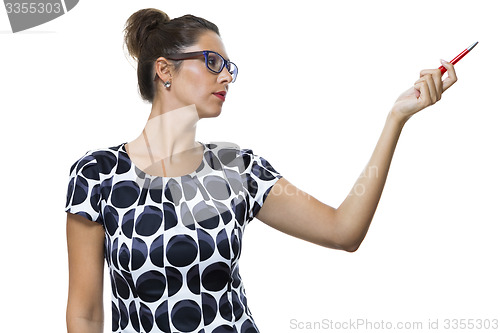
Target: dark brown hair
[150,34]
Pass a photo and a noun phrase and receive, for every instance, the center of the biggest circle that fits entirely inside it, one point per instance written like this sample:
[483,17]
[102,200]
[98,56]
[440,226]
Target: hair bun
[139,26]
[154,18]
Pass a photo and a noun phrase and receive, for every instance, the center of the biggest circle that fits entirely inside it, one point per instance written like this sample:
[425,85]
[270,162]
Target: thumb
[417,92]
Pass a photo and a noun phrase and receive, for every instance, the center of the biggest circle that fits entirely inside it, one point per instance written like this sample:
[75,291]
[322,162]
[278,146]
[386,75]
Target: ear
[163,69]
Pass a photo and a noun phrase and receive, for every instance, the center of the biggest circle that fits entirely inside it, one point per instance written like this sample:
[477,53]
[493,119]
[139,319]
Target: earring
[167,84]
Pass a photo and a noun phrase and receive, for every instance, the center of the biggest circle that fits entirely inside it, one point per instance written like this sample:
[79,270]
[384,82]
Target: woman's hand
[426,91]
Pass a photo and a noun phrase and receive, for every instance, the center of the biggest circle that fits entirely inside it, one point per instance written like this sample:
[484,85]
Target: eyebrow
[221,55]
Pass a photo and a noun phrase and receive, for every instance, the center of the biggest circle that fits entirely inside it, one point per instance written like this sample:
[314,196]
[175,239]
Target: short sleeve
[84,195]
[260,177]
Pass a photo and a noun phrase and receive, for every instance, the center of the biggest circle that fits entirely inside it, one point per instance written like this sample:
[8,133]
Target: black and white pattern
[172,244]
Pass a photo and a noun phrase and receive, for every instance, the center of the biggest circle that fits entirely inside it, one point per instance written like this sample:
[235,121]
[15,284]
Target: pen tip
[472,46]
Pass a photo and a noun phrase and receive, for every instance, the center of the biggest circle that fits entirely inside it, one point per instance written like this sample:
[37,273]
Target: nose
[225,76]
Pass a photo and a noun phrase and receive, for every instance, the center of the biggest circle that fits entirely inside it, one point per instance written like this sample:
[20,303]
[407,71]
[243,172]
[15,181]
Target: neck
[167,135]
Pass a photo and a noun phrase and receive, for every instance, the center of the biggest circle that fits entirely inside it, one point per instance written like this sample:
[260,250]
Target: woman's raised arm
[85,239]
[299,214]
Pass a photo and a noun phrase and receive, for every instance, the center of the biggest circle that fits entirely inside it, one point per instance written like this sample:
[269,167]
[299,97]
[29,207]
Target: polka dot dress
[172,244]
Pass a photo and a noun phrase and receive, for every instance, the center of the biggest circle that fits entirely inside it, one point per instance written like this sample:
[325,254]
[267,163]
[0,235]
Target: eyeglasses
[213,60]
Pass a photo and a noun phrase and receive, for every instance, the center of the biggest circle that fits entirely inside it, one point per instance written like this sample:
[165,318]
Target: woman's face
[195,84]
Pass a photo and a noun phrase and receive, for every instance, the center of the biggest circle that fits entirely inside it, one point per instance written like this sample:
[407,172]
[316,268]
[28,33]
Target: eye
[212,60]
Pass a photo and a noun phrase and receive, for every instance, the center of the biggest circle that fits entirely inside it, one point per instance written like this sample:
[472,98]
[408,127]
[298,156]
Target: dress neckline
[133,165]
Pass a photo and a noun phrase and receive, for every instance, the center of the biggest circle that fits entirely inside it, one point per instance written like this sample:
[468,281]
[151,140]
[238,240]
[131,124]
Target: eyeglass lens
[216,62]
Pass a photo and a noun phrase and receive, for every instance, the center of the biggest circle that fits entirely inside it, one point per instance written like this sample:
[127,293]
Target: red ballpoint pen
[458,57]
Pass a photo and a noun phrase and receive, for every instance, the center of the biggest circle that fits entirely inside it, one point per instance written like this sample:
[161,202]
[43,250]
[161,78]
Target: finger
[429,82]
[417,88]
[426,71]
[437,77]
[424,98]
[452,75]
[432,88]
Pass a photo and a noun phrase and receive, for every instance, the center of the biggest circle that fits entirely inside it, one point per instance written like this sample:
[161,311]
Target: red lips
[221,95]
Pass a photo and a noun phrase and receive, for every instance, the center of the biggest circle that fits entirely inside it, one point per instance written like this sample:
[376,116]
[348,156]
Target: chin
[215,114]
[211,113]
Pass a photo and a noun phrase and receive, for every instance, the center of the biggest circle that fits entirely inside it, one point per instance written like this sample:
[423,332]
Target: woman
[171,211]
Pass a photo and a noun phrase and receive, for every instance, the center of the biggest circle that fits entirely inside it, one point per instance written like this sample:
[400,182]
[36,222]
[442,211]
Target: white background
[316,83]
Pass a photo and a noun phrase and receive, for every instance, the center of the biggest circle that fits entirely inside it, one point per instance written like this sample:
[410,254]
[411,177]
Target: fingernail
[443,61]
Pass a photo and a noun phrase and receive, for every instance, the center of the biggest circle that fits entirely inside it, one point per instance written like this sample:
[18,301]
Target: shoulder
[225,148]
[95,161]
[232,155]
